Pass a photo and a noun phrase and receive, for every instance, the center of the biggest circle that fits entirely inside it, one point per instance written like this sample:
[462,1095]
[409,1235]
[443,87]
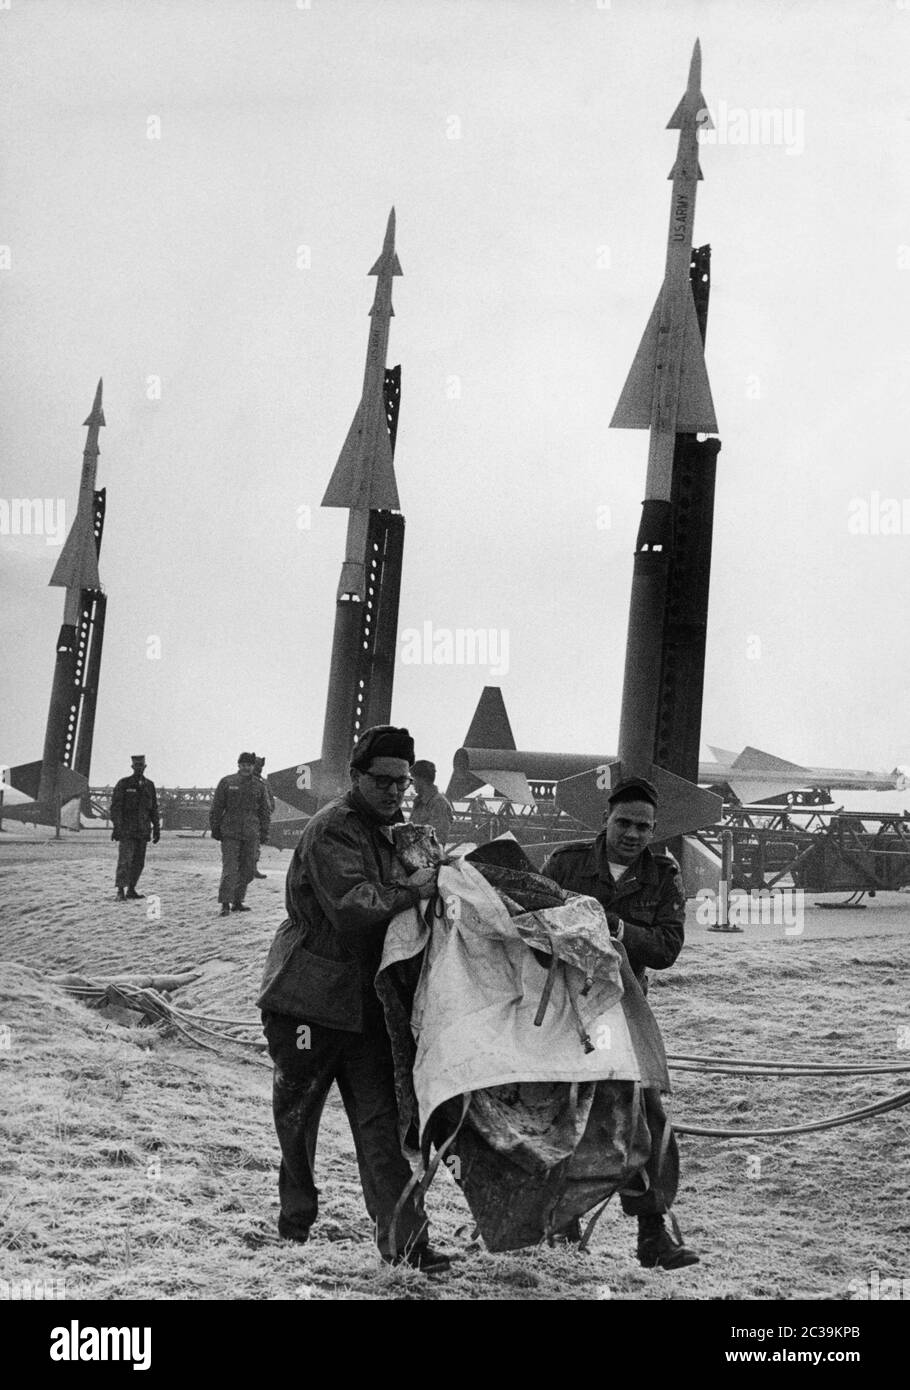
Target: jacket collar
[641,870]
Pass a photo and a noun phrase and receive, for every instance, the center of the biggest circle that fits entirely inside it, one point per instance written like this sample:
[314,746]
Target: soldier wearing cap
[320,1011]
[642,894]
[134,816]
[239,818]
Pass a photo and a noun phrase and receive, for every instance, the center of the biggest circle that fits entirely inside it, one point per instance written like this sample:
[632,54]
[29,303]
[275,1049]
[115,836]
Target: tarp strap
[588,1231]
[424,1176]
[548,986]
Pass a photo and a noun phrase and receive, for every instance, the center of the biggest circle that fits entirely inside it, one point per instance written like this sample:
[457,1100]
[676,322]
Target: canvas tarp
[555,1121]
[480,988]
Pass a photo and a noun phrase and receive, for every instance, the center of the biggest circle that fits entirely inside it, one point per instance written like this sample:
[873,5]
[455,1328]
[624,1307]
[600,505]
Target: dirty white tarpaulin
[554,1121]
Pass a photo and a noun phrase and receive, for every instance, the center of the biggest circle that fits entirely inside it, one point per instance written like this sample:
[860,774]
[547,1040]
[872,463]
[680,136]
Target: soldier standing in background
[239,818]
[258,772]
[134,815]
[430,806]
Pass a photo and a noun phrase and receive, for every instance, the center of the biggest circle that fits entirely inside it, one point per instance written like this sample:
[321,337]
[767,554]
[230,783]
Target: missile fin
[695,411]
[757,760]
[757,789]
[77,565]
[702,115]
[364,475]
[513,785]
[387,264]
[676,169]
[490,727]
[633,410]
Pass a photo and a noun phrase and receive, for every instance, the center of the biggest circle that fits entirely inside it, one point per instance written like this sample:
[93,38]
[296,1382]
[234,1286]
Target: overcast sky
[194,192]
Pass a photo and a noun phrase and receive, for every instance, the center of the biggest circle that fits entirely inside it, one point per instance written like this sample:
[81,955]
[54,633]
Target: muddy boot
[240,907]
[660,1248]
[225,910]
[131,893]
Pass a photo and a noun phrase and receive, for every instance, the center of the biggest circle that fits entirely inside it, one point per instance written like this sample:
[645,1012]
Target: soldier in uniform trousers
[134,815]
[321,1015]
[642,893]
[239,818]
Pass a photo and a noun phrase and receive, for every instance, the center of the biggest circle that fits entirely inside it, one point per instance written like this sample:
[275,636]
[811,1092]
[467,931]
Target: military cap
[633,789]
[382,741]
[246,758]
[137,758]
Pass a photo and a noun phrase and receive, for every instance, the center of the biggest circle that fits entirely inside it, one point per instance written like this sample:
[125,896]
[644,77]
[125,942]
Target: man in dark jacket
[240,819]
[642,894]
[134,815]
[321,1015]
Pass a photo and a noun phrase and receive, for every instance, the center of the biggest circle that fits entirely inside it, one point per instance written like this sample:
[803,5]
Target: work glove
[156,836]
[115,834]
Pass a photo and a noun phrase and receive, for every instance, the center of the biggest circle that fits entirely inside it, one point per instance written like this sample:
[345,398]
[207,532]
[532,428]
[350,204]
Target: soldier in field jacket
[134,817]
[239,818]
[321,1015]
[642,893]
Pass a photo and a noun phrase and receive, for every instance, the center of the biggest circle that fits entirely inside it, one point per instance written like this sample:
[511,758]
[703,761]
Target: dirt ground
[135,1165]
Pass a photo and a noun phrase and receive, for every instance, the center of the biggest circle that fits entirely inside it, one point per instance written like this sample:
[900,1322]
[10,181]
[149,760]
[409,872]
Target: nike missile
[364,476]
[77,566]
[60,779]
[667,390]
[667,393]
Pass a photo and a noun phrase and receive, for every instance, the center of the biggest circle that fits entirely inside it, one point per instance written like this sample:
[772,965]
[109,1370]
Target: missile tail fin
[77,564]
[695,413]
[490,727]
[364,475]
[633,410]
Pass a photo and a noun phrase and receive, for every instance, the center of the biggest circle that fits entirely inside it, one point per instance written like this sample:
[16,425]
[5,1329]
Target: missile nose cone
[97,414]
[388,263]
[695,66]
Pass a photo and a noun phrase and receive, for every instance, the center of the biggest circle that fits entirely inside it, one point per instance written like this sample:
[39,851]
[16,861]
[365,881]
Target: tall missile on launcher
[366,603]
[60,779]
[666,392]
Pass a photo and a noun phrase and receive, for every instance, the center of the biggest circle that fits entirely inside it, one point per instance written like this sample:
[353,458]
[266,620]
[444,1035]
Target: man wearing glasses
[321,1015]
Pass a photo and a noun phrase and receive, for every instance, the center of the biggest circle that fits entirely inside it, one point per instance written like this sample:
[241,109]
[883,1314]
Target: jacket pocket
[311,987]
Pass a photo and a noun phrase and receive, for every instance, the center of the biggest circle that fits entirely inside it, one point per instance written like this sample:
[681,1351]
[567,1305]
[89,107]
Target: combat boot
[121,895]
[660,1248]
[225,910]
[423,1257]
